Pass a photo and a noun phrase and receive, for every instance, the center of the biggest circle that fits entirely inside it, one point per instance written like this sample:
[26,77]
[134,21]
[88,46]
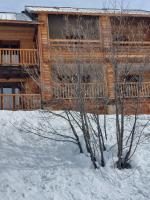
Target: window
[71,73]
[130,28]
[119,37]
[132,78]
[73,27]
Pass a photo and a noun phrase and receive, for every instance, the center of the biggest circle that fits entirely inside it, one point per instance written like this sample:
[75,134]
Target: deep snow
[34,168]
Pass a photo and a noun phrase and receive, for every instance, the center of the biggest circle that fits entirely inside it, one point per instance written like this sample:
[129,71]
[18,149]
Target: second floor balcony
[68,91]
[134,89]
[96,90]
[18,57]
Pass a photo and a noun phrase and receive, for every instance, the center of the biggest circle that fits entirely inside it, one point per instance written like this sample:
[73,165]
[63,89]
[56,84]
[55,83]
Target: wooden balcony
[18,57]
[70,90]
[20,101]
[134,89]
[98,90]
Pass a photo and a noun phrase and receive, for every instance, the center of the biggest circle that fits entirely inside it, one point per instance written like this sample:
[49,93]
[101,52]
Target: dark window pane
[73,27]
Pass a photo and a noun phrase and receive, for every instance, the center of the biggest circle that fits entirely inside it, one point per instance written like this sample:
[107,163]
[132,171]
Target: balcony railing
[72,48]
[20,101]
[74,43]
[132,48]
[134,89]
[18,57]
[71,90]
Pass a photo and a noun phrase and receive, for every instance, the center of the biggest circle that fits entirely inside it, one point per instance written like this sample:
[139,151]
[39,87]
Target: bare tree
[79,86]
[79,83]
[129,62]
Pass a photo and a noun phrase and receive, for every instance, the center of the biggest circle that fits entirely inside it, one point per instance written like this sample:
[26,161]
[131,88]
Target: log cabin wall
[47,54]
[31,87]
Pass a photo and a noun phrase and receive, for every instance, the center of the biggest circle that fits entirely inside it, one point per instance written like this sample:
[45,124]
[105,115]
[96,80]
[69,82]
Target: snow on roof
[14,16]
[36,9]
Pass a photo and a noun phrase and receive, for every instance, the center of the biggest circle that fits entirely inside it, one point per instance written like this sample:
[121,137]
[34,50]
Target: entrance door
[9,99]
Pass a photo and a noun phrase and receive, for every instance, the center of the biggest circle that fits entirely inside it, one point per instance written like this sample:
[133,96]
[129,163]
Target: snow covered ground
[34,168]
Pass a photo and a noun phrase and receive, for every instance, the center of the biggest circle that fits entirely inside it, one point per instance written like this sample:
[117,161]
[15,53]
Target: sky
[18,5]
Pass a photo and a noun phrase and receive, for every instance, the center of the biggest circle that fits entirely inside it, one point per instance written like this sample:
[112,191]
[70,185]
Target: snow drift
[32,167]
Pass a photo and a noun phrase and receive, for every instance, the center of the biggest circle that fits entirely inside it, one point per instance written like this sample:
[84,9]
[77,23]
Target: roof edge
[38,9]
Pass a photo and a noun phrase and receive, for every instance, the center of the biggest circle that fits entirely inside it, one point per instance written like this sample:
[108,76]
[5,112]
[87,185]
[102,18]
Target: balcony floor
[16,71]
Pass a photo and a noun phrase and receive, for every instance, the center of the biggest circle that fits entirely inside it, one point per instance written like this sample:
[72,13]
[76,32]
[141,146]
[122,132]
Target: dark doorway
[9,44]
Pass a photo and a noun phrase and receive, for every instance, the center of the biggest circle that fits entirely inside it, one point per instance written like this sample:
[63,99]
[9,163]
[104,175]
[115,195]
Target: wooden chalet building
[18,50]
[42,49]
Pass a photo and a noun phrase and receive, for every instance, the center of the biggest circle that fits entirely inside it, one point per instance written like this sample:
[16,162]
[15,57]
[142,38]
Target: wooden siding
[107,44]
[31,87]
[45,65]
[23,34]
[105,28]
[131,106]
